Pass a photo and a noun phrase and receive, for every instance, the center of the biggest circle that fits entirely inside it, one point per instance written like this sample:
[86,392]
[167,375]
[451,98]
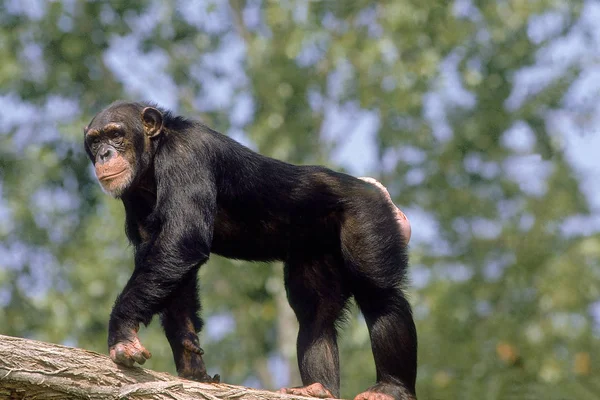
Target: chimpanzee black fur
[189,191]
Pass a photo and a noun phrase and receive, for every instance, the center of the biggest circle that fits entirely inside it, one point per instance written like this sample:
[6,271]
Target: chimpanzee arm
[182,226]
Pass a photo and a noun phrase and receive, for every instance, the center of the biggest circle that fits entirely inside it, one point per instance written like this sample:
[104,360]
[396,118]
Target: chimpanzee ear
[153,121]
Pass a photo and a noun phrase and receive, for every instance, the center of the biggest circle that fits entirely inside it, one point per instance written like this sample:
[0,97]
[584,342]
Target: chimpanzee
[189,191]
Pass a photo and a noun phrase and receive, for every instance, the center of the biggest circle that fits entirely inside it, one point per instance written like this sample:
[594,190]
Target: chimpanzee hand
[127,350]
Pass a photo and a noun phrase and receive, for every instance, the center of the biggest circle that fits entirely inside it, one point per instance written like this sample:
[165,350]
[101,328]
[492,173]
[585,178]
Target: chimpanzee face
[118,143]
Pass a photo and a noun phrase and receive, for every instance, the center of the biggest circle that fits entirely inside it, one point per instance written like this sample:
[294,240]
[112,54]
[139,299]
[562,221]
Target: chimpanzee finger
[192,345]
[140,357]
[113,354]
[146,353]
[122,357]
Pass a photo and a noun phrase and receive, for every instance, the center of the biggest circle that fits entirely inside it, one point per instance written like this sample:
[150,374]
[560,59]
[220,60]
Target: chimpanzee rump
[189,191]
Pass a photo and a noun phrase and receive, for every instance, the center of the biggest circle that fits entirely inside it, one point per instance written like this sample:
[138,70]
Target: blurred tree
[463,100]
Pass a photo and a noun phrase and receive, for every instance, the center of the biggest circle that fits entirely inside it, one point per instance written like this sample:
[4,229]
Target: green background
[480,117]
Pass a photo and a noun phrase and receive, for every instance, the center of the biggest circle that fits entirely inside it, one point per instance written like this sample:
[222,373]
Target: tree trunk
[36,370]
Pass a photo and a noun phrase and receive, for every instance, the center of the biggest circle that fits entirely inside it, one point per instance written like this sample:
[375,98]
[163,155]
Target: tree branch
[30,369]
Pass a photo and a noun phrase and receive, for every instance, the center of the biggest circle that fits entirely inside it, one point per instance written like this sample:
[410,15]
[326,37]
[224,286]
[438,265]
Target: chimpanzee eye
[117,139]
[90,143]
[115,133]
[93,148]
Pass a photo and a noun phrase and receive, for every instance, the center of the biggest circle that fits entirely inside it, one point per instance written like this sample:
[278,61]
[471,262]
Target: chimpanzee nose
[105,153]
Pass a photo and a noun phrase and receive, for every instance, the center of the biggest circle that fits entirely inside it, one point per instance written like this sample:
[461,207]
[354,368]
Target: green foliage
[502,297]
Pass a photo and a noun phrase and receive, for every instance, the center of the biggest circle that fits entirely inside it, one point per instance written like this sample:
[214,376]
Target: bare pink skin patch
[129,351]
[401,218]
[114,175]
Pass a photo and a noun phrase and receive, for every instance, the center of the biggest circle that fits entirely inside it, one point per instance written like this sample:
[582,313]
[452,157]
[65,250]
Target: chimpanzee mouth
[105,177]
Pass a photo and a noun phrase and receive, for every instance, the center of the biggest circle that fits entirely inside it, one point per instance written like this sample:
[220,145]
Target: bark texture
[31,369]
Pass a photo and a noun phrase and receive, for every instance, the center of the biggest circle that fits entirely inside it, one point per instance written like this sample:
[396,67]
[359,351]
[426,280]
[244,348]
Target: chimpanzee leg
[376,257]
[393,341]
[181,322]
[318,294]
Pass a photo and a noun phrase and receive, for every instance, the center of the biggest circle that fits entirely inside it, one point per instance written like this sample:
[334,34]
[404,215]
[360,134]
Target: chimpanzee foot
[314,390]
[128,352]
[385,391]
[189,361]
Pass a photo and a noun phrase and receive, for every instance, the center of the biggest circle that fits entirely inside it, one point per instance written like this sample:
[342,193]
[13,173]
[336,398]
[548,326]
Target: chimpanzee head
[118,140]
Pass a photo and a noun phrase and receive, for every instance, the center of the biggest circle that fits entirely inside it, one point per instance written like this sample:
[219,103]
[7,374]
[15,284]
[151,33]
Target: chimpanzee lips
[105,176]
